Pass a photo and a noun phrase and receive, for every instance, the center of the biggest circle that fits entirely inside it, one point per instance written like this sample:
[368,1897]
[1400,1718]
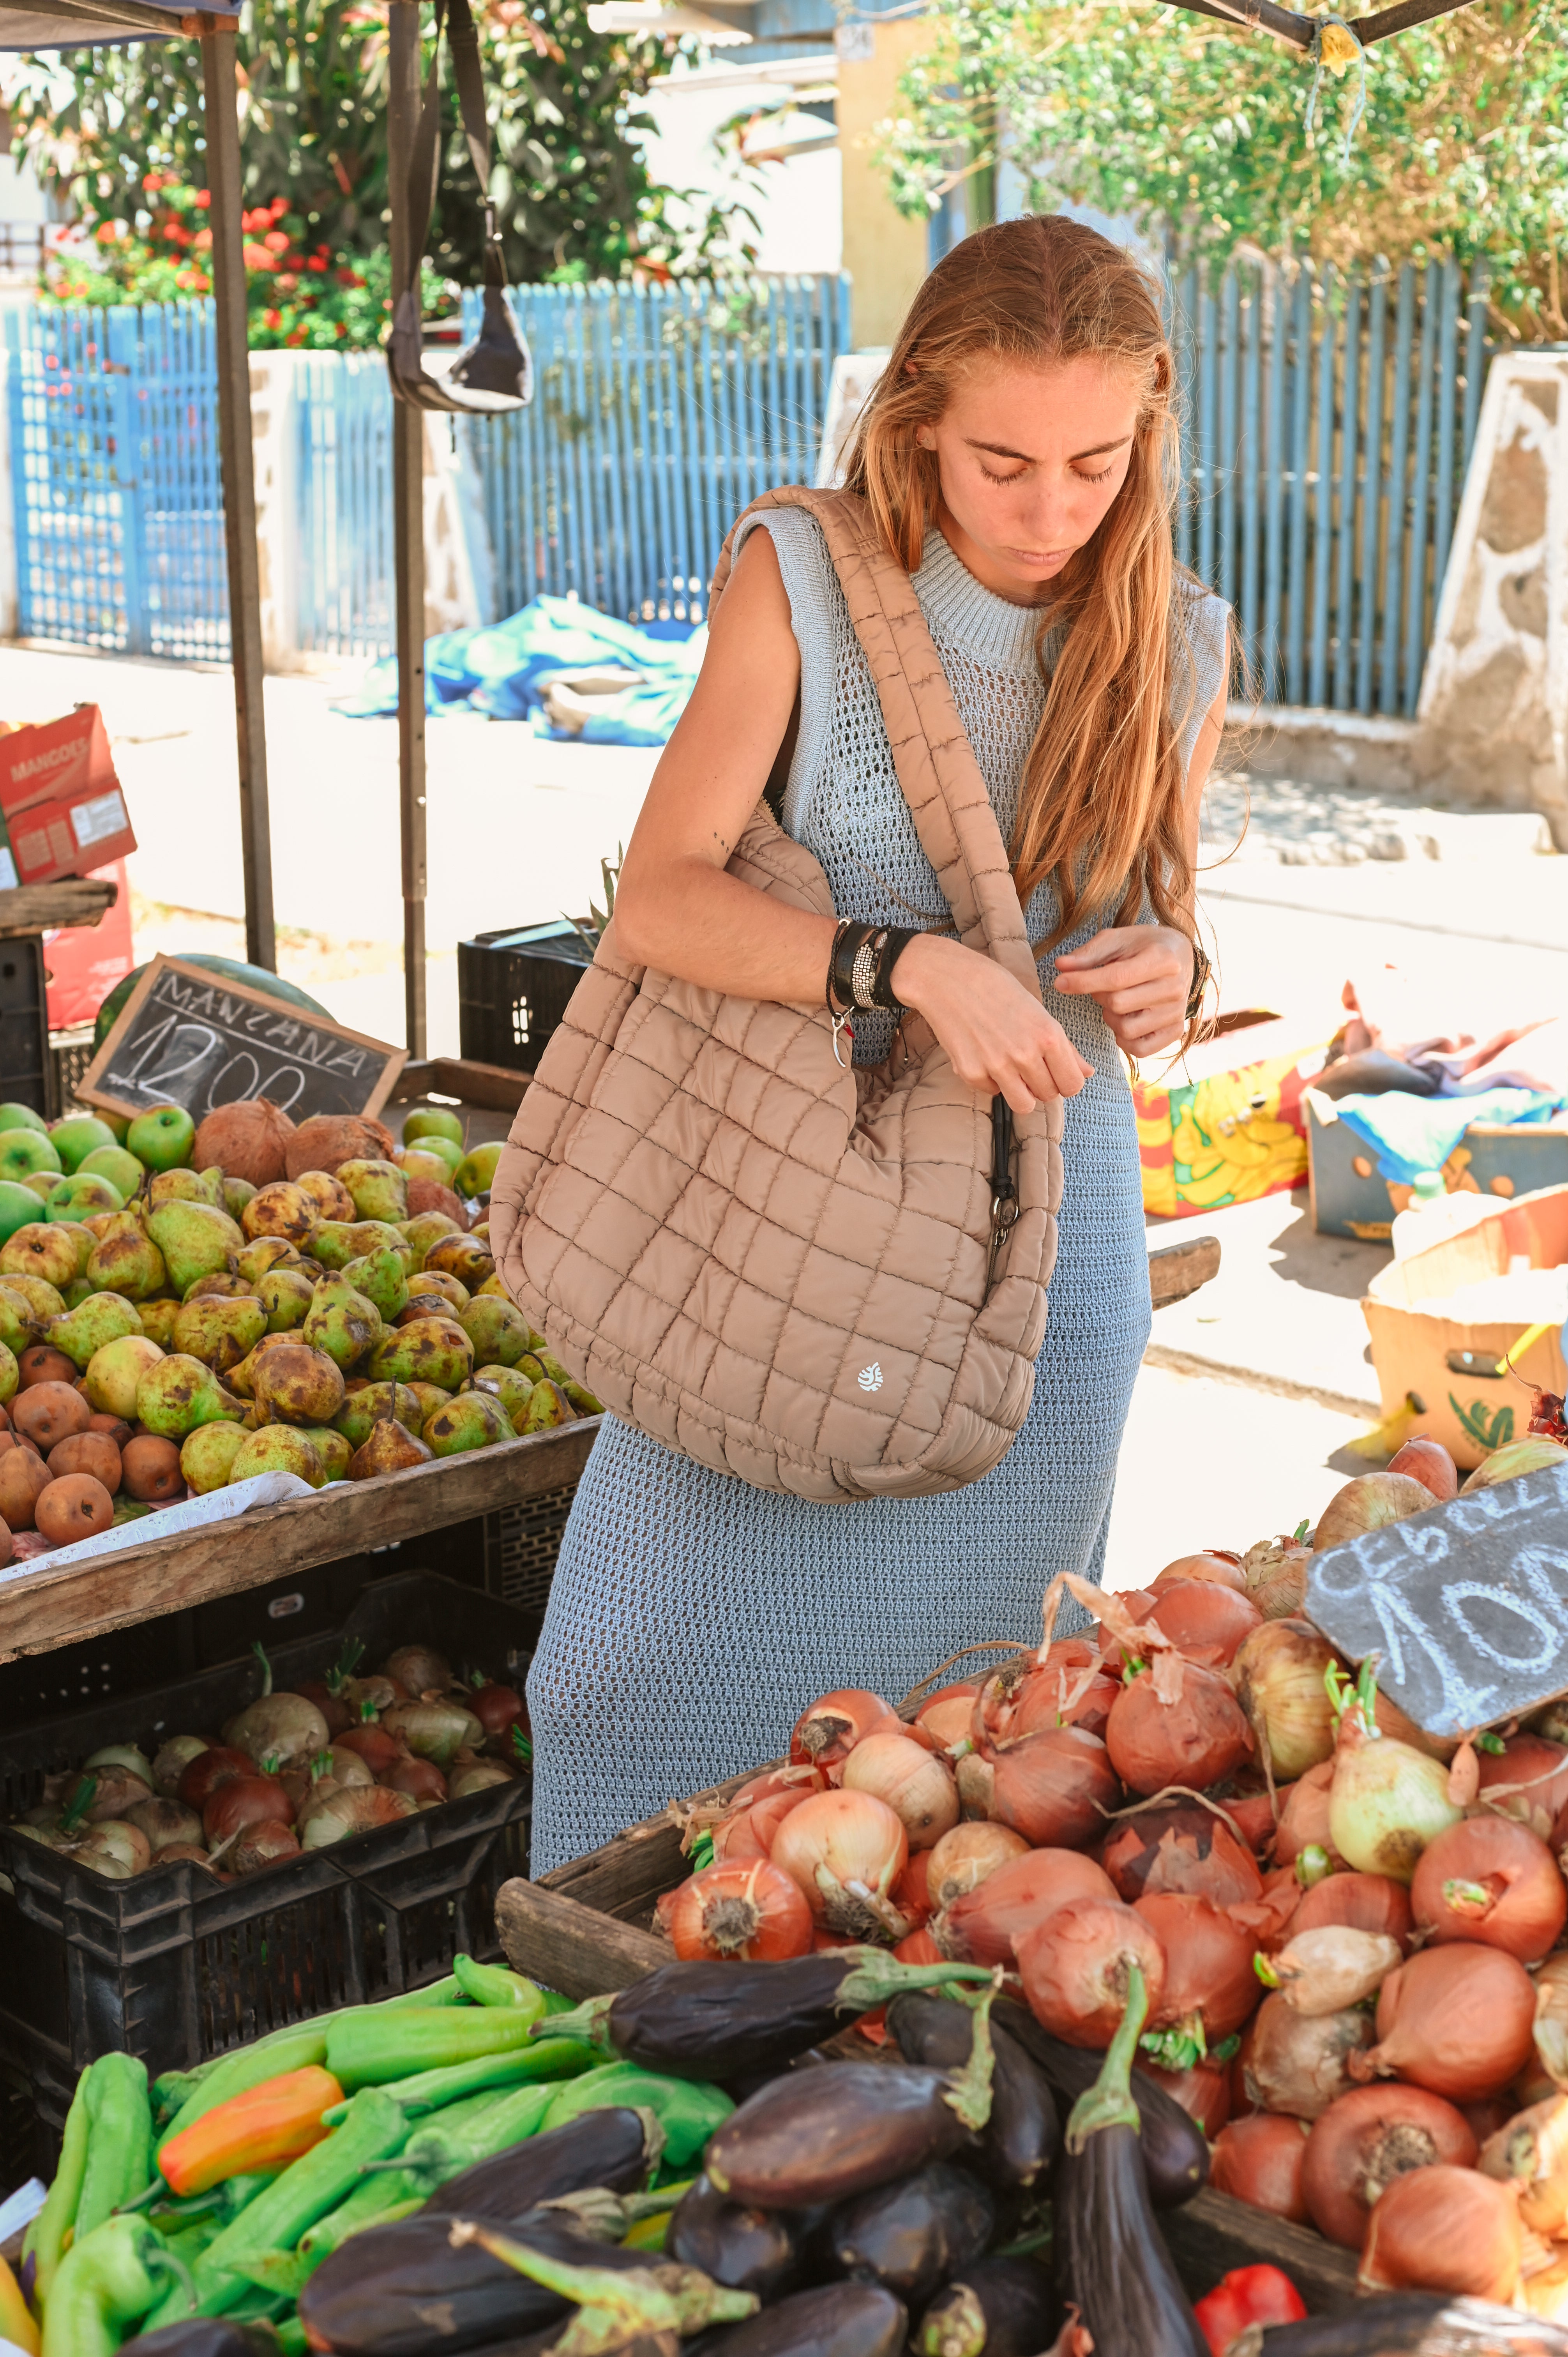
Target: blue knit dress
[691,1616]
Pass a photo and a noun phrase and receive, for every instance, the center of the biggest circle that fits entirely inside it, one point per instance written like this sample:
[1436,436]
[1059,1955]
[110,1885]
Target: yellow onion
[976,1781]
[1277,1674]
[1535,1453]
[1329,1969]
[1388,1800]
[1298,2065]
[1552,2017]
[1444,2229]
[117,1838]
[916,1785]
[433,1730]
[964,1857]
[334,1815]
[1531,2153]
[846,1851]
[1275,1573]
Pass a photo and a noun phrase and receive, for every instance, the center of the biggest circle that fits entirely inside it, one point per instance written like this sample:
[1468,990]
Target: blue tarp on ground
[1410,1133]
[502,671]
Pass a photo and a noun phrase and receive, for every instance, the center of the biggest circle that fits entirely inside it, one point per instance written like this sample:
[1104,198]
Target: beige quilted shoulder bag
[811,1277]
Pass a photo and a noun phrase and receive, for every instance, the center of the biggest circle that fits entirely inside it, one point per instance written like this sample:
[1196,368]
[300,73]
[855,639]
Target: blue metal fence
[345,505]
[112,418]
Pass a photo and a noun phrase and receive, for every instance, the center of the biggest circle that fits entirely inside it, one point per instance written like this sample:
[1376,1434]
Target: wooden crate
[584,1930]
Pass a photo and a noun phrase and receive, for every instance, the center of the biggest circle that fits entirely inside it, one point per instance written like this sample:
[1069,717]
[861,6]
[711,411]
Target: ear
[925,437]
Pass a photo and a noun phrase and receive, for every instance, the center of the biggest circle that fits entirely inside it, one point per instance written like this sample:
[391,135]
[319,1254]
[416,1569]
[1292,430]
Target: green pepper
[57,2215]
[119,2139]
[431,2090]
[363,2051]
[105,2284]
[688,2110]
[477,2130]
[248,2067]
[494,1984]
[174,2089]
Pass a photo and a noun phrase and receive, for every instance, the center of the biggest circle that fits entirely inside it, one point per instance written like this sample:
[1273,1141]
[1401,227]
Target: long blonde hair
[1100,806]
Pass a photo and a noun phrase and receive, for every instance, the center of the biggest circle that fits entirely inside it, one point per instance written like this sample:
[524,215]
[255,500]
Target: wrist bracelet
[1201,970]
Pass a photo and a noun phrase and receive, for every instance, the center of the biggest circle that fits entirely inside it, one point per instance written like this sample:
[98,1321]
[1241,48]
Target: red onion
[1205,1621]
[334,1710]
[1182,1846]
[751,1914]
[420,1778]
[217,1765]
[1528,1779]
[267,1844]
[1261,2161]
[495,1706]
[374,1746]
[1075,1964]
[1297,2063]
[1056,1788]
[1366,2140]
[1445,2229]
[1362,1902]
[1203,2090]
[985,1924]
[825,1735]
[1457,2021]
[1195,1739]
[245,1800]
[1491,1880]
[846,1851]
[1210,1977]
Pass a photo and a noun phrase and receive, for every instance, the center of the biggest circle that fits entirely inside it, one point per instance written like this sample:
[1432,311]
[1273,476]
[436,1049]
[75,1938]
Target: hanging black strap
[496,371]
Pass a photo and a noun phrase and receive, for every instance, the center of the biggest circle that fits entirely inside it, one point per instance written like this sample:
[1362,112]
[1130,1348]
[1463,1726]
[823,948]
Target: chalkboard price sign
[1466,1605]
[185,1038]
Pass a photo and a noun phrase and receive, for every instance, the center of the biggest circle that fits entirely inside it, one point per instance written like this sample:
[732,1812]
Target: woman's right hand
[999,1038]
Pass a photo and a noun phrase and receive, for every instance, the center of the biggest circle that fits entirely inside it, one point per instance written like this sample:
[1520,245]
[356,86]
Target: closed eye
[992,477]
[1104,474]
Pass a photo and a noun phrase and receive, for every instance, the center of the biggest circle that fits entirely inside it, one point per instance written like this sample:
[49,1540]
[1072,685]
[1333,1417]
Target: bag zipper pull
[1003,1187]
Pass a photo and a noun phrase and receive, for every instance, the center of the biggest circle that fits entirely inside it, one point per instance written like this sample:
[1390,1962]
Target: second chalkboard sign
[185,1038]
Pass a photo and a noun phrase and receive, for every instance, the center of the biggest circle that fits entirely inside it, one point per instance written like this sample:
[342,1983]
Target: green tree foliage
[1201,130]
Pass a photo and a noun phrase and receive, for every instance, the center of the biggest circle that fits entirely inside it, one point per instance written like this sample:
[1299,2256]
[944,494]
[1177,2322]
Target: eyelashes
[992,477]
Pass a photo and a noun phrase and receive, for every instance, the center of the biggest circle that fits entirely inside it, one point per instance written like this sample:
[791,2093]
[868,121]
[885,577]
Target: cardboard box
[63,811]
[1225,1124]
[1448,1362]
[1349,1197]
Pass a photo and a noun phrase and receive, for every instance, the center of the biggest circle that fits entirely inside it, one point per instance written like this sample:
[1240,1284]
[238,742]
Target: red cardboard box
[64,811]
[85,962]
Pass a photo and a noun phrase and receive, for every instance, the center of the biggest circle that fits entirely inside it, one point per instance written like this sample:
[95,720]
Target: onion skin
[1304,1817]
[825,1734]
[217,1765]
[911,1894]
[1527,1779]
[1203,2091]
[1194,1740]
[1445,2229]
[1262,2161]
[1367,2140]
[1055,1788]
[341,1814]
[1074,1967]
[1552,2019]
[1205,1621]
[964,1857]
[1277,1672]
[374,1747]
[1209,1966]
[119,1790]
[1457,2021]
[944,1721]
[1493,1881]
[916,1785]
[751,1914]
[750,1833]
[478,1776]
[984,1926]
[420,1778]
[1217,1569]
[268,1844]
[1183,1847]
[1333,1968]
[844,1851]
[247,1800]
[1530,2151]
[1363,1902]
[1296,2065]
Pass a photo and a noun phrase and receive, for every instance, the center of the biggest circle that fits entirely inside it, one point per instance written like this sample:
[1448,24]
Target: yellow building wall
[884,252]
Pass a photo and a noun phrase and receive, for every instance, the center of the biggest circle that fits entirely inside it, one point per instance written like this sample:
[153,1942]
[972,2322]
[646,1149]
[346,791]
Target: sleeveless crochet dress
[692,1617]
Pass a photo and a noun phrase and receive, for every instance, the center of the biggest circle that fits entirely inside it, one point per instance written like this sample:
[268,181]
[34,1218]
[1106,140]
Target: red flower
[202,199]
[258,258]
[279,207]
[275,242]
[347,278]
[202,241]
[295,336]
[106,233]
[273,319]
[319,264]
[287,283]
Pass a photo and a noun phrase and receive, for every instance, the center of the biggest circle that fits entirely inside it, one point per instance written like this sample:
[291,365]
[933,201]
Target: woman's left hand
[1141,976]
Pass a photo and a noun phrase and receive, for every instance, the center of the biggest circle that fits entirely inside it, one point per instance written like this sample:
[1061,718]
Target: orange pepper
[15,2320]
[263,2128]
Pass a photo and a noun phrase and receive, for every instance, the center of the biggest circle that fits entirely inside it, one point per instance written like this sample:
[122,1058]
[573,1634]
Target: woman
[1018,458]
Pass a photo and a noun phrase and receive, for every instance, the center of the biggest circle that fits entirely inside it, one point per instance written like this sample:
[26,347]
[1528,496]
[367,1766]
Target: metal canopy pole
[219,88]
[408,529]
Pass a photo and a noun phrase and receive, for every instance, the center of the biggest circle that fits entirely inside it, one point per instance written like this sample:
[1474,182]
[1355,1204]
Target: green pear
[18,1208]
[115,1372]
[183,1187]
[430,1397]
[430,1350]
[77,1292]
[432,1121]
[158,1320]
[21,1116]
[379,1188]
[331,1447]
[266,1252]
[295,1384]
[81,1197]
[162,1138]
[195,1240]
[125,1260]
[370,1403]
[341,1322]
[44,1300]
[333,1243]
[18,1320]
[513,1390]
[498,1329]
[237,1193]
[112,1162]
[219,1333]
[219,1286]
[45,1249]
[547,1408]
[380,1235]
[179,1393]
[10,1375]
[463,1257]
[24,1153]
[476,1172]
[389,1447]
[379,1275]
[278,1449]
[207,1454]
[82,1237]
[77,1136]
[473,1420]
[102,1317]
[285,1294]
[425,1228]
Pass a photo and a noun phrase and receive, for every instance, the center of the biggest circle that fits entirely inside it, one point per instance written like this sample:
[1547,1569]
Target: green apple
[445,1149]
[18,1208]
[477,1169]
[74,1139]
[163,1139]
[82,1196]
[430,1120]
[21,1116]
[122,1170]
[24,1151]
[41,1182]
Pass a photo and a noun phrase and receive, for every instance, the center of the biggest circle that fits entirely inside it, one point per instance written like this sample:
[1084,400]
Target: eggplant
[1418,2324]
[846,2319]
[607,2150]
[997,2307]
[404,2291]
[727,2021]
[1111,2261]
[1175,2152]
[912,2235]
[1019,2141]
[206,2336]
[750,2250]
[838,2129]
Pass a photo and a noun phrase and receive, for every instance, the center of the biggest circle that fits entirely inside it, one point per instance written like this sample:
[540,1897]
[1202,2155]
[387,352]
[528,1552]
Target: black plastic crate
[70,1052]
[174,1967]
[513,990]
[27,1066]
[521,1544]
